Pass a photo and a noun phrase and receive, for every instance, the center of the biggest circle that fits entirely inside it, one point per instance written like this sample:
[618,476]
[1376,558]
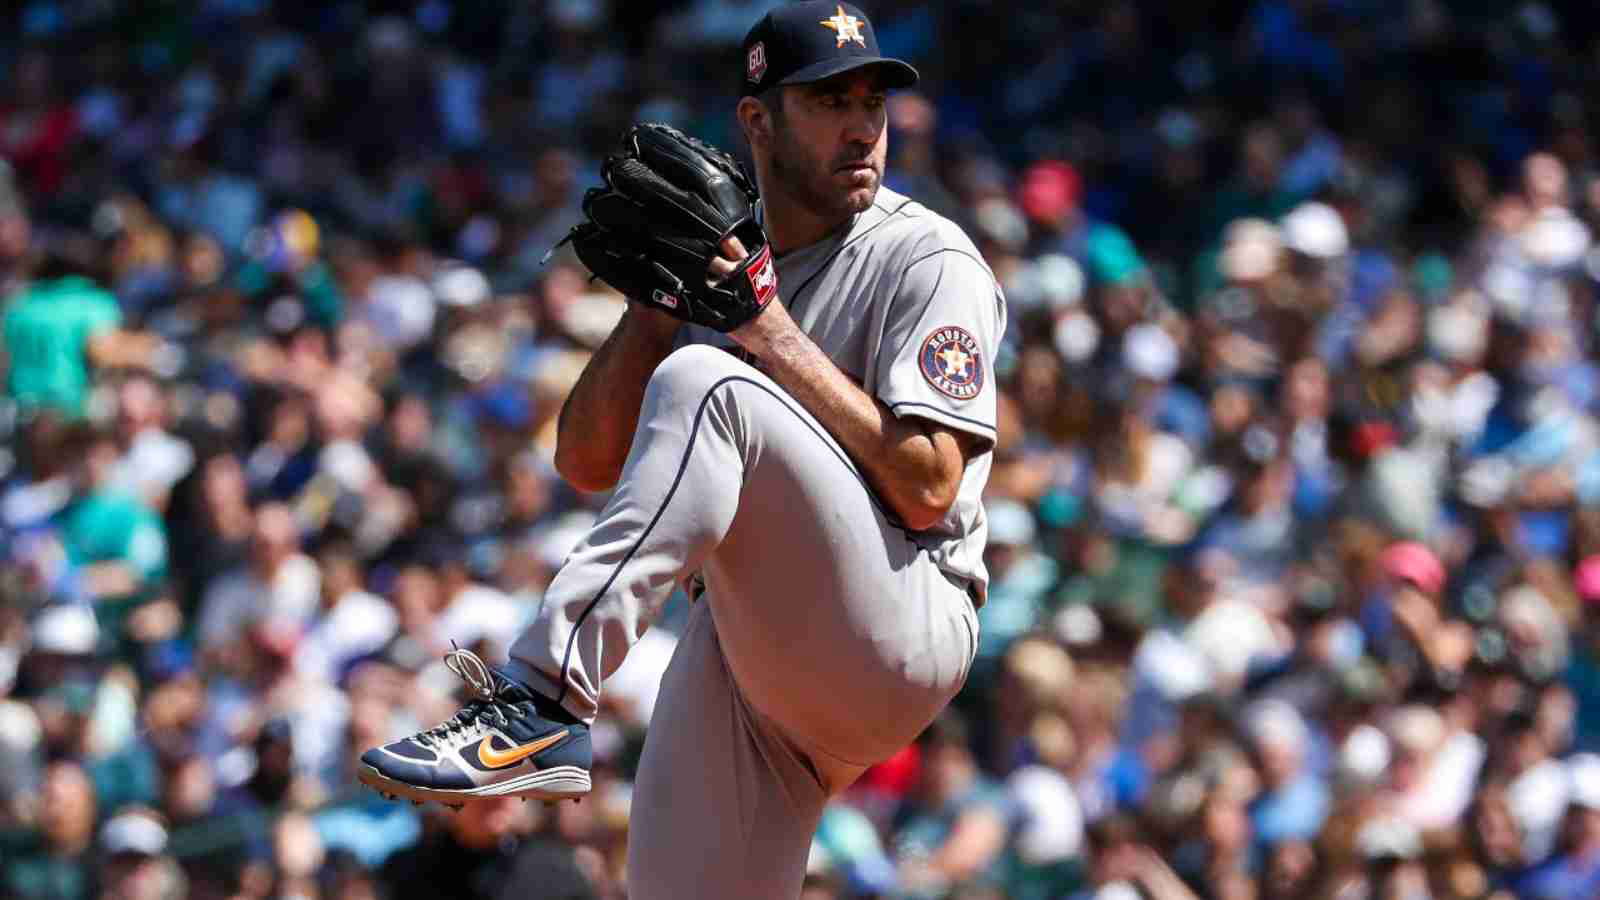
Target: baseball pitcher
[796,413]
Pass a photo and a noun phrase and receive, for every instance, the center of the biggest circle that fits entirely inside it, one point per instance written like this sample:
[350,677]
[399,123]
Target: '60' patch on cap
[755,64]
[952,363]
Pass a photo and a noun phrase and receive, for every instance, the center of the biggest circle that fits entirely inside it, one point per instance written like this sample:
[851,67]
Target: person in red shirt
[36,128]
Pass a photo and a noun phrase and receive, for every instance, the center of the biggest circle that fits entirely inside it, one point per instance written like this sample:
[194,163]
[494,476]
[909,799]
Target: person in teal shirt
[53,332]
[52,861]
[116,545]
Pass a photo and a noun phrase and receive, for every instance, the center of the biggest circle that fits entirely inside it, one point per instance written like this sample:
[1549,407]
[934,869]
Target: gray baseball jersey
[828,636]
[904,304]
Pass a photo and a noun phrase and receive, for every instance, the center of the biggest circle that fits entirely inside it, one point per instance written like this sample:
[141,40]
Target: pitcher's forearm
[597,421]
[915,468]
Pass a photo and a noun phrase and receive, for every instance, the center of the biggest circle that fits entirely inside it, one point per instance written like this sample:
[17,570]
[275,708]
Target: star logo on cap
[845,27]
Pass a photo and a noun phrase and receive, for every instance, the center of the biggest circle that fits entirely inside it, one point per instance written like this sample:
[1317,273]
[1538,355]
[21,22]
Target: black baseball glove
[669,202]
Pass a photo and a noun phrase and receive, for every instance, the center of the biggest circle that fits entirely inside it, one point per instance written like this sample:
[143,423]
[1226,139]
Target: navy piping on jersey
[943,412]
[683,465]
[932,253]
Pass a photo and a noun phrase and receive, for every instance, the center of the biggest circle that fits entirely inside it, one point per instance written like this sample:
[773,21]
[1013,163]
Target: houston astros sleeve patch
[939,339]
[952,362]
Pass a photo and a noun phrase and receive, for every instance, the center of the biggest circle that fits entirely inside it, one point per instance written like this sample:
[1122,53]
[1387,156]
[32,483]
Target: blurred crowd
[1295,512]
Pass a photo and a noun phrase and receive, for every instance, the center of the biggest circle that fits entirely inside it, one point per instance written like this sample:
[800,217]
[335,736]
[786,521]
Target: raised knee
[696,368]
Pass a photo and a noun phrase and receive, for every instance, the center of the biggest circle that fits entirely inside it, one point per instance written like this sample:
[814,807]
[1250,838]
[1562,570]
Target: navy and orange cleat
[506,742]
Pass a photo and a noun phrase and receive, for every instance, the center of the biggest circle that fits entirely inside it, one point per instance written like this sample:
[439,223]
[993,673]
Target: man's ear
[754,120]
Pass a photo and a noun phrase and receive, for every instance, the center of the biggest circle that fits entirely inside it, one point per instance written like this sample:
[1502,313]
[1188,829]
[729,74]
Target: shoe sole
[556,783]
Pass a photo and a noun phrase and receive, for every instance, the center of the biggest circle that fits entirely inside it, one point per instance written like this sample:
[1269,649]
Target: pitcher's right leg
[724,808]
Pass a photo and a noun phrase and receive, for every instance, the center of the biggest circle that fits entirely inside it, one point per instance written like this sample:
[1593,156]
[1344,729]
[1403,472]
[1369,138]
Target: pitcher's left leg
[526,732]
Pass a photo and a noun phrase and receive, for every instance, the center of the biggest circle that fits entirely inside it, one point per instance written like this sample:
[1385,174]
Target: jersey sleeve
[941,334]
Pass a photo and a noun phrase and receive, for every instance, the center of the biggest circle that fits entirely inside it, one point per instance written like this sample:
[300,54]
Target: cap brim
[897,74]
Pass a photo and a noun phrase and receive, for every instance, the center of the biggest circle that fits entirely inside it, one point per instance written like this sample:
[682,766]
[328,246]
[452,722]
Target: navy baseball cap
[798,43]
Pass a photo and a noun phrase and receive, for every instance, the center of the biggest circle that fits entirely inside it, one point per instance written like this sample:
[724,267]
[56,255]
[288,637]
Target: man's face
[1280,762]
[829,142]
[67,813]
[274,537]
[138,404]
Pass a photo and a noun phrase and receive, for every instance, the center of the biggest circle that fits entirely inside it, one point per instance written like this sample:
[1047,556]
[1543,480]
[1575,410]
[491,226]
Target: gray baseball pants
[825,641]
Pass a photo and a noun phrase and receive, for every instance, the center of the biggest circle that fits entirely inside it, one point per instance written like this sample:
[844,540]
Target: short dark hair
[774,101]
[337,547]
[1116,828]
[78,438]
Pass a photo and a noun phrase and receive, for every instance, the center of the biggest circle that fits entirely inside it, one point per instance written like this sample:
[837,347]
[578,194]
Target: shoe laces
[485,702]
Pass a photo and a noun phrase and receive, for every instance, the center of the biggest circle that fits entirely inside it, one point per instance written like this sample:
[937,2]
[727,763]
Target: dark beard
[797,174]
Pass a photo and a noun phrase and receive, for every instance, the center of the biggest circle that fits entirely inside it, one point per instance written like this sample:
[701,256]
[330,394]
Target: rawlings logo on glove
[669,203]
[763,277]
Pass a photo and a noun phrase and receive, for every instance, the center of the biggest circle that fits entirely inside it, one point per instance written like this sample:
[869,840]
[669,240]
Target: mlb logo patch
[755,64]
[662,298]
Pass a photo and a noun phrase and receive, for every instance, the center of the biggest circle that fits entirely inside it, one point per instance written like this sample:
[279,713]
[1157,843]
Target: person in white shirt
[278,584]
[474,611]
[352,622]
[153,460]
